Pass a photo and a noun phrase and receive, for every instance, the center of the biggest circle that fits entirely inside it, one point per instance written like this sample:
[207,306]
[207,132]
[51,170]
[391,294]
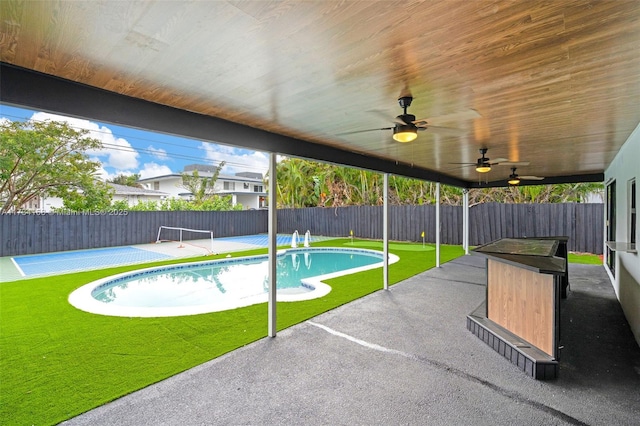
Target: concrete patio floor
[404,356]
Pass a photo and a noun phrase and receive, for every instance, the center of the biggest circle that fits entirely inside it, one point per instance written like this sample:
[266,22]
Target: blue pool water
[222,284]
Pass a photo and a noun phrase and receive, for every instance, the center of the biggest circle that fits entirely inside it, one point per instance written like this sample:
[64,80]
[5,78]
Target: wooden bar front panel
[522,301]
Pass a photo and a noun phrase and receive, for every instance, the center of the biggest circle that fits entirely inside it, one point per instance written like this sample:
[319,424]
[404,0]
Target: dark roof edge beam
[31,89]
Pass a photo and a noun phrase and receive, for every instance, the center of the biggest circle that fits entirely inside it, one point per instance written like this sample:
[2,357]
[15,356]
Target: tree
[559,193]
[215,203]
[44,158]
[94,195]
[304,183]
[127,180]
[202,188]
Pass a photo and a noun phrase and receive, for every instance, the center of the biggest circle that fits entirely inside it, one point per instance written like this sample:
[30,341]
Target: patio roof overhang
[553,85]
[27,88]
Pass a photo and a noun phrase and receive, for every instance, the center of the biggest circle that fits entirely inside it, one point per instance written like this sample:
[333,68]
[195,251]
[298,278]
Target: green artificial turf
[377,245]
[57,362]
[585,258]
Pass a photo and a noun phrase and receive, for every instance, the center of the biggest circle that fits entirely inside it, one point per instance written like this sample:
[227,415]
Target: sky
[128,151]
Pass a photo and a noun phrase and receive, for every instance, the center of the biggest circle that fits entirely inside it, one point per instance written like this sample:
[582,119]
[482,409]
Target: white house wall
[169,185]
[626,166]
[245,195]
[248,201]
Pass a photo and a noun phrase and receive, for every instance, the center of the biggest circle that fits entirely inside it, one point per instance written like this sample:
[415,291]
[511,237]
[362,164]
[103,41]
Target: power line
[136,149]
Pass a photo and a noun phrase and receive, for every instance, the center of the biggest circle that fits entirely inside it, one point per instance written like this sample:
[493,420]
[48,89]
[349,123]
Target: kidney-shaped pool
[218,285]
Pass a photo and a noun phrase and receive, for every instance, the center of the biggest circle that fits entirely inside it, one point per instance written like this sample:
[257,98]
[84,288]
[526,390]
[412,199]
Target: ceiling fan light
[404,133]
[483,168]
[514,181]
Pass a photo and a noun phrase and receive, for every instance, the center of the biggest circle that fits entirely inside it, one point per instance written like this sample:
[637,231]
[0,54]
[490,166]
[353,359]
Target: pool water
[220,285]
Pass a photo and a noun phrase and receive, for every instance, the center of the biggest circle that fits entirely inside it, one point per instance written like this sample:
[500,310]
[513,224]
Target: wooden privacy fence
[31,233]
[42,233]
[582,223]
[406,223]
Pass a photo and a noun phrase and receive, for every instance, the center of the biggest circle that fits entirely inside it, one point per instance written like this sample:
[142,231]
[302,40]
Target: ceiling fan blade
[384,116]
[499,161]
[469,114]
[460,167]
[447,131]
[506,162]
[363,131]
[531,177]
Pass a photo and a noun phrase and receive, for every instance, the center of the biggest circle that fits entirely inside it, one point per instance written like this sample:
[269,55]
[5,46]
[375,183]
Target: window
[633,218]
[257,188]
[156,185]
[246,185]
[229,186]
[611,224]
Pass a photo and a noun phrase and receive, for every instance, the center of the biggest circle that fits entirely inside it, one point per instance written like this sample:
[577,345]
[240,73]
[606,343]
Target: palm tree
[304,183]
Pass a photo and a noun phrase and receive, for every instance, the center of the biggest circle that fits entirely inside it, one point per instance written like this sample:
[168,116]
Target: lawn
[585,258]
[57,362]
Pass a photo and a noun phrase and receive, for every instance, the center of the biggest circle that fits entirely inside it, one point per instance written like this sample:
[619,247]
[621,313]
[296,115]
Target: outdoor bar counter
[520,319]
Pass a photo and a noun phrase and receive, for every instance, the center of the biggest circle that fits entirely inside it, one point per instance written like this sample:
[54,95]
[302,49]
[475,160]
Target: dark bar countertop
[528,253]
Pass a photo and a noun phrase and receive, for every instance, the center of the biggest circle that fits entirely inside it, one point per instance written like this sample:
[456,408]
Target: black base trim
[526,357]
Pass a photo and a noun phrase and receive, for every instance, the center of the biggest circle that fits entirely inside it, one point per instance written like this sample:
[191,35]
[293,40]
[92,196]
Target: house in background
[245,188]
[130,194]
[133,195]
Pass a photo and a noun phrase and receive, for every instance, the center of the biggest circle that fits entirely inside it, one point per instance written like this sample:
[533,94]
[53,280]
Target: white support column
[437,224]
[273,230]
[465,220]
[385,232]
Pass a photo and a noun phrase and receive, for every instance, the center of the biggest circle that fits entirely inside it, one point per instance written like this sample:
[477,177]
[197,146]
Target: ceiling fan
[514,178]
[406,126]
[484,163]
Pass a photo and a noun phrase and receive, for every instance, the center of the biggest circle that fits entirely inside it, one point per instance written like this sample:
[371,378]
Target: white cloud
[237,159]
[158,153]
[118,151]
[153,169]
[103,174]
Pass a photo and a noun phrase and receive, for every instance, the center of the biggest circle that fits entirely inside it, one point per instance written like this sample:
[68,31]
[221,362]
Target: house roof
[221,177]
[131,190]
[160,177]
[554,84]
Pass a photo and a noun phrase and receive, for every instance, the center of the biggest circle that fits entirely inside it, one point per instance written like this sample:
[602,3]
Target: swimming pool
[211,286]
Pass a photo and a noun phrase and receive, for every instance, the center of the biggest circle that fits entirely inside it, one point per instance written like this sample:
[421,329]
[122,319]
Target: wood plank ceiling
[556,84]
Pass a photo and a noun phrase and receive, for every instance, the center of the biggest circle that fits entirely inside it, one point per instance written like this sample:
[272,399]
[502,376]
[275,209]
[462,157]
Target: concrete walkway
[404,356]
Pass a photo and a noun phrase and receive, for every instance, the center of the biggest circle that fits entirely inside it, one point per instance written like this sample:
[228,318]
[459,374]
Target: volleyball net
[170,230]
